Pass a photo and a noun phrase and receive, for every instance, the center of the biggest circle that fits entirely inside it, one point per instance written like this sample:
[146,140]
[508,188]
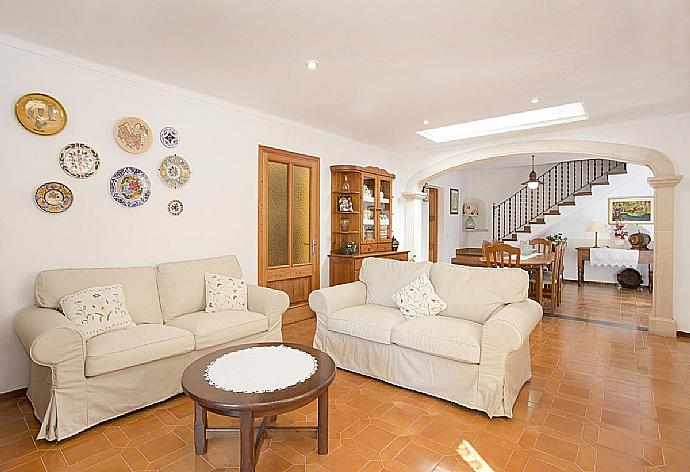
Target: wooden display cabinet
[361,214]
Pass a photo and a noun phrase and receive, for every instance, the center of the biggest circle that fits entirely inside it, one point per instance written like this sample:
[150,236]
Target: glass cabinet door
[384,213]
[369,189]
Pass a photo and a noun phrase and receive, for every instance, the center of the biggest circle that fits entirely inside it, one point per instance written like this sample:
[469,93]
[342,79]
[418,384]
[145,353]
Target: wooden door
[289,227]
[433,224]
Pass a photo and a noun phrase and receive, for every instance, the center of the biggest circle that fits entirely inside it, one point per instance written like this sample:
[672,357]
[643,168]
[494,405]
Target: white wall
[220,202]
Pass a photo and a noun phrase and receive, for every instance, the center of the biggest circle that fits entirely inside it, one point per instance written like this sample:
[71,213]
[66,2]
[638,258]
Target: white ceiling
[385,65]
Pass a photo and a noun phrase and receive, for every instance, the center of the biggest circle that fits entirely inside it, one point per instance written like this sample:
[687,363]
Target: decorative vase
[344,225]
[395,244]
[470,223]
[346,185]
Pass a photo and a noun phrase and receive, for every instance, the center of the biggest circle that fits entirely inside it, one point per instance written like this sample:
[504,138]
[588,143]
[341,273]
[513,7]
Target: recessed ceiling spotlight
[535,100]
[425,122]
[312,64]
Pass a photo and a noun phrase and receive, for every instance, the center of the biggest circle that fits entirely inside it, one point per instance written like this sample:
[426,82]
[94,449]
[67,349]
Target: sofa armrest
[510,326]
[331,299]
[48,337]
[269,302]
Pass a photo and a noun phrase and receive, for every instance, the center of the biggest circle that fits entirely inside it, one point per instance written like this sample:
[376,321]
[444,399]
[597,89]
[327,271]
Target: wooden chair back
[542,245]
[501,255]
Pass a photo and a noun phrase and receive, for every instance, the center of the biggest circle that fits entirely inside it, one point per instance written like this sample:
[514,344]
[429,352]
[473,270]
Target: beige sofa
[475,353]
[75,384]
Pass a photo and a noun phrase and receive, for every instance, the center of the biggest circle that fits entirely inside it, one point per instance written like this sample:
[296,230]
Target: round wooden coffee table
[247,406]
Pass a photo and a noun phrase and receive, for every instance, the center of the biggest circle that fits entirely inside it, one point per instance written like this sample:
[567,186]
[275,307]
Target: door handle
[313,247]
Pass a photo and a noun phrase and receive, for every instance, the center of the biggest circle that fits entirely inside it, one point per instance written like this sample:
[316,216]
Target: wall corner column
[662,321]
[413,225]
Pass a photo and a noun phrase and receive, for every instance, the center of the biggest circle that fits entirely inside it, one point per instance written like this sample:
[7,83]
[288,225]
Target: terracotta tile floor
[607,303]
[601,398]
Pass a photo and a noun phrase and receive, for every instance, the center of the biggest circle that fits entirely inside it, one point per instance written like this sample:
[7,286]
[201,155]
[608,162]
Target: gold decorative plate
[133,135]
[54,197]
[40,114]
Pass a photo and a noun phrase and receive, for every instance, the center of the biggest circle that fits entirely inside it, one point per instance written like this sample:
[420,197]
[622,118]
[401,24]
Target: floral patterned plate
[54,197]
[79,160]
[174,171]
[133,135]
[130,187]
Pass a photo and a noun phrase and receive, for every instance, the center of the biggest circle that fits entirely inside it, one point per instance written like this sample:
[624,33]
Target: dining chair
[501,255]
[563,246]
[552,279]
[541,245]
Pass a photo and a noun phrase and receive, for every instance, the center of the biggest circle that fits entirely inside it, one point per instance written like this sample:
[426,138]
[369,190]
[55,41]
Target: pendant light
[532,182]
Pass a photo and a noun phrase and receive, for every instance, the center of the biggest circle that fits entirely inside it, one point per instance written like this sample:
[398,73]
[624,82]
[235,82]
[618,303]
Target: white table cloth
[610,257]
[260,369]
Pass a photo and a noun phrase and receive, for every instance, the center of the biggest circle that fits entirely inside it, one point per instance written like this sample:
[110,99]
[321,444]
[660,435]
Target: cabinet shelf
[346,232]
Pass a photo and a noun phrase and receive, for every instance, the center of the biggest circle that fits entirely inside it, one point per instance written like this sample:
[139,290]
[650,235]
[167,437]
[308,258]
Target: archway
[663,182]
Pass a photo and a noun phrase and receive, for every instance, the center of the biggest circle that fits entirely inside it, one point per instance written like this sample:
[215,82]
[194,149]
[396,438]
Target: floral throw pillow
[418,298]
[225,293]
[97,310]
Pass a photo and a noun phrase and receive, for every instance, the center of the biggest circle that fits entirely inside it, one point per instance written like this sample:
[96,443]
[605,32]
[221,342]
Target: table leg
[580,271]
[539,275]
[651,278]
[323,423]
[246,442]
[200,423]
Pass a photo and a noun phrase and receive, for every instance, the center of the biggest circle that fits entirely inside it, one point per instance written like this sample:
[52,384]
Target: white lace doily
[260,369]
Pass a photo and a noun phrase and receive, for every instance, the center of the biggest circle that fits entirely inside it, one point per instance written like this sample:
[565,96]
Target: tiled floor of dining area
[607,302]
[602,398]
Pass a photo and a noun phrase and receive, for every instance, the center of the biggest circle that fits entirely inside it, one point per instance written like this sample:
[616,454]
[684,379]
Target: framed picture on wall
[454,201]
[638,210]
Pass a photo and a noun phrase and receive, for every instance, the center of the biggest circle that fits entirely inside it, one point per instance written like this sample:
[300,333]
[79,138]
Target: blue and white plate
[130,187]
[170,137]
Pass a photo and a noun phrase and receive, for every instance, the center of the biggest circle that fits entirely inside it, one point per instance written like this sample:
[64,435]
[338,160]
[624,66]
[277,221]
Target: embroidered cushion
[97,310]
[225,293]
[418,298]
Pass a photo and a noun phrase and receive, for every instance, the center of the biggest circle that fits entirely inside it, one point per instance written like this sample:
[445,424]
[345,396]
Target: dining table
[536,262]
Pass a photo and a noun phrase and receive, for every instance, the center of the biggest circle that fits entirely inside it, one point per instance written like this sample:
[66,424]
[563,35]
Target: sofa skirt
[65,410]
[451,380]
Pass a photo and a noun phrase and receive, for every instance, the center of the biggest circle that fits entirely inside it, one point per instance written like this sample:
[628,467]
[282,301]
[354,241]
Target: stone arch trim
[664,182]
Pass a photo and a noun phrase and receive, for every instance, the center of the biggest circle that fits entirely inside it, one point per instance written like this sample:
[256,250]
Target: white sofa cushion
[182,287]
[371,322]
[384,277]
[442,336]
[418,298]
[212,329]
[124,348]
[138,283]
[97,310]
[474,293]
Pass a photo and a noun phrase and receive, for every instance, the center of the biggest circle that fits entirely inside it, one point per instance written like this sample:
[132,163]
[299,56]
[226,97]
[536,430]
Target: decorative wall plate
[175,207]
[54,197]
[79,160]
[174,171]
[40,114]
[130,187]
[133,135]
[170,137]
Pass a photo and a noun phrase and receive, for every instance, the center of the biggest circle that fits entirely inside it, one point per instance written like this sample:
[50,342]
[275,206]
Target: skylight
[506,123]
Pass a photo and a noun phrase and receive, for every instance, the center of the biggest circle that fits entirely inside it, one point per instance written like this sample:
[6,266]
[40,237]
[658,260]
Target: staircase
[559,186]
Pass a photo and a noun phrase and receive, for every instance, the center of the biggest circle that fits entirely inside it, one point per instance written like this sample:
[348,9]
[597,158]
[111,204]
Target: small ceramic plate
[130,187]
[40,114]
[175,207]
[133,135]
[79,160]
[170,137]
[174,171]
[54,197]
